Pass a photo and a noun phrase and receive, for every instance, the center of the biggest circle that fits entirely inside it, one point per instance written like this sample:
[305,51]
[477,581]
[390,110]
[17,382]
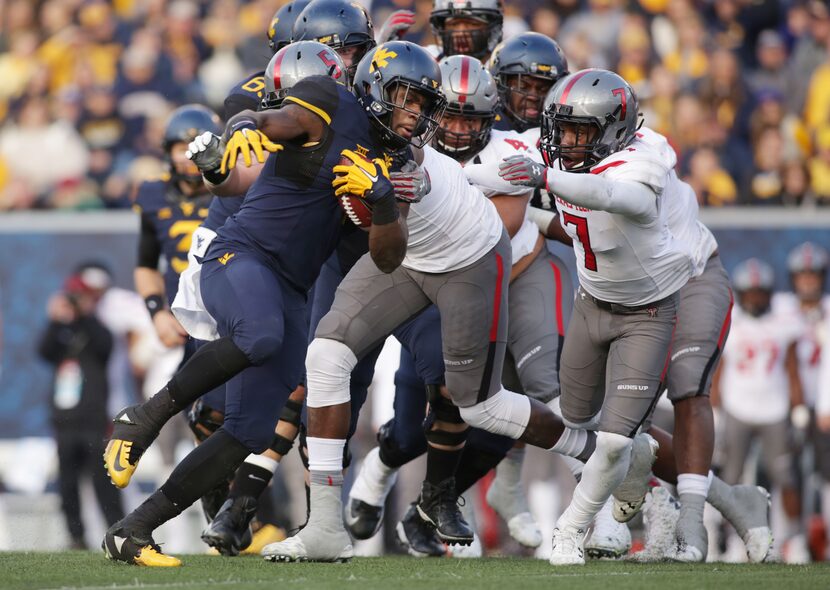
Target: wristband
[154,303]
[385,210]
[238,123]
[215,176]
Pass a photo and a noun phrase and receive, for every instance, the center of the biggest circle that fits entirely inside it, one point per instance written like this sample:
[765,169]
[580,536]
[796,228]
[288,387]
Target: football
[355,208]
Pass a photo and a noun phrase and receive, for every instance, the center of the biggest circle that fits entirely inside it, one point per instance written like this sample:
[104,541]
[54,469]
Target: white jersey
[483,171]
[754,385]
[453,225]
[621,259]
[681,207]
[810,343]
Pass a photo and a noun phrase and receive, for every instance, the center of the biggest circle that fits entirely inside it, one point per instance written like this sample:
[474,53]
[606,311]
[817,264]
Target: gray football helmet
[475,43]
[471,93]
[808,257]
[753,274]
[599,107]
[296,61]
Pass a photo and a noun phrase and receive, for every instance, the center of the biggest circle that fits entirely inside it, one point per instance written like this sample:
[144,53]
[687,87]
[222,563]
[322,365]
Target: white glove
[206,151]
[396,26]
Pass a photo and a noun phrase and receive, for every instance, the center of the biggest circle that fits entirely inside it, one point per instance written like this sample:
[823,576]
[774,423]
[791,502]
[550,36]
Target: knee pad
[613,446]
[203,420]
[504,413]
[396,451]
[442,408]
[329,366]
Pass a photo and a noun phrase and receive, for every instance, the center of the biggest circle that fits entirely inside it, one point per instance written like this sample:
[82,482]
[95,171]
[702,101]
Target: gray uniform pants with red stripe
[541,302]
[614,359]
[369,304]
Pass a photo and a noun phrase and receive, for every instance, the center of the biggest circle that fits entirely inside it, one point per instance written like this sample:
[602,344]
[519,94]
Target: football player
[471,28]
[456,253]
[539,308]
[525,68]
[254,279]
[630,269]
[757,385]
[171,209]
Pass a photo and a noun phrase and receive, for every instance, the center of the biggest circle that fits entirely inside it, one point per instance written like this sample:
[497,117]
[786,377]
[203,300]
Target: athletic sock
[720,496]
[325,460]
[210,366]
[577,443]
[692,490]
[253,476]
[441,464]
[473,465]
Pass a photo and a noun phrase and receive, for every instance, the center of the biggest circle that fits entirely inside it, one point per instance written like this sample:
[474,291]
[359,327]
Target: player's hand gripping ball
[356,182]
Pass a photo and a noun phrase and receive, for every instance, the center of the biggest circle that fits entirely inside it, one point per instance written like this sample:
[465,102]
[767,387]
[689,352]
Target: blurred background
[740,87]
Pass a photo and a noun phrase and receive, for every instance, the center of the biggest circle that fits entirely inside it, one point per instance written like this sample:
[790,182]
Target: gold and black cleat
[131,436]
[119,545]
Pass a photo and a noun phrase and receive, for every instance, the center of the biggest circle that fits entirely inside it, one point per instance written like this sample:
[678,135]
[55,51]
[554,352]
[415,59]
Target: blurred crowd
[741,87]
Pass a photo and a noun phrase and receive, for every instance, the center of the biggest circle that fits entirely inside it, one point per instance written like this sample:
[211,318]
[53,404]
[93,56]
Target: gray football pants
[369,304]
[614,359]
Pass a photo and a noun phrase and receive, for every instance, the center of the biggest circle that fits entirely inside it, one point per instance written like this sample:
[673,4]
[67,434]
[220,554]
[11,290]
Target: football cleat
[119,545]
[213,500]
[364,511]
[472,551]
[660,514]
[438,506]
[417,537]
[332,550]
[751,521]
[566,547]
[691,538]
[230,532]
[132,434]
[608,538]
[265,535]
[631,493]
[362,520]
[509,501]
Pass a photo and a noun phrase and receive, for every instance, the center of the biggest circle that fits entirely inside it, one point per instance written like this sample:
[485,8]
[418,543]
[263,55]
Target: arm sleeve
[318,94]
[487,179]
[632,199]
[149,249]
[236,103]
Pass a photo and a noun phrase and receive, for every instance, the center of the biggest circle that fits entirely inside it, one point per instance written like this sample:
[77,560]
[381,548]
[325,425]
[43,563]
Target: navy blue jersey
[167,224]
[246,95]
[290,215]
[220,209]
[503,122]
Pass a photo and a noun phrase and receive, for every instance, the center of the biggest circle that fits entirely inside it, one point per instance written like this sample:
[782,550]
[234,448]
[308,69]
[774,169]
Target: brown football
[354,207]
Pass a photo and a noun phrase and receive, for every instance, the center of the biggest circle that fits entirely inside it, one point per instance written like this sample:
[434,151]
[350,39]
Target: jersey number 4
[584,237]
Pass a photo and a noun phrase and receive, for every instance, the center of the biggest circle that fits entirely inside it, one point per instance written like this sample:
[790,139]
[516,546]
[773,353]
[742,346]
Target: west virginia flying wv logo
[382,58]
[272,29]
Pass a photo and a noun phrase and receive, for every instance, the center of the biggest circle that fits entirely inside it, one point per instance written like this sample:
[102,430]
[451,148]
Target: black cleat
[121,545]
[362,520]
[230,531]
[438,506]
[418,537]
[133,432]
[213,500]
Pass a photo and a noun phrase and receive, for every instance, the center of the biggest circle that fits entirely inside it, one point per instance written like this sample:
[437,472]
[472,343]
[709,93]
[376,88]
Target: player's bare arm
[149,283]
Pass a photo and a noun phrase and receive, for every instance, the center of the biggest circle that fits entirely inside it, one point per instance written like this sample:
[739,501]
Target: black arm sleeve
[236,103]
[149,249]
[318,94]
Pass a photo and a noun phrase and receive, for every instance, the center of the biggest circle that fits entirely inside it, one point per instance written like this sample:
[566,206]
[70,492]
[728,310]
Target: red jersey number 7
[583,236]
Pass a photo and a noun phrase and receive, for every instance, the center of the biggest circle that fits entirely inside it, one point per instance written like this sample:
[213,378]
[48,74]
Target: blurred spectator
[766,186]
[43,152]
[688,61]
[724,92]
[771,72]
[600,25]
[809,53]
[711,182]
[819,167]
[78,345]
[795,181]
[634,48]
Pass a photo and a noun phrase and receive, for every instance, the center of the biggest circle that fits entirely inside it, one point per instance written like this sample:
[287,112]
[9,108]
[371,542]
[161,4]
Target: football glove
[411,183]
[244,141]
[523,171]
[396,26]
[205,151]
[365,179]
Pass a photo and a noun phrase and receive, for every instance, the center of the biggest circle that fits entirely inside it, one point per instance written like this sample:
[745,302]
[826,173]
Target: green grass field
[34,571]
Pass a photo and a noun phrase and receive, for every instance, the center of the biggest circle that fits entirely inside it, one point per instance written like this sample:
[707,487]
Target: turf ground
[35,571]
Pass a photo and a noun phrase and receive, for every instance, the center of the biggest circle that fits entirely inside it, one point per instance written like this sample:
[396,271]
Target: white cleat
[472,551]
[509,500]
[524,530]
[750,517]
[660,514]
[608,538]
[294,549]
[631,493]
[567,547]
[796,551]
